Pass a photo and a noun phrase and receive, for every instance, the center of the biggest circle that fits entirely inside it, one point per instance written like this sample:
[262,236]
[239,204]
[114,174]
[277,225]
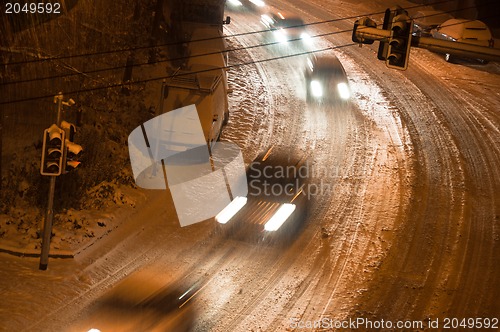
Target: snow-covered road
[412,216]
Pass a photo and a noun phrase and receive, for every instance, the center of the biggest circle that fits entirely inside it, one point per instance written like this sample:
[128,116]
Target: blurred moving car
[141,303]
[234,4]
[252,5]
[257,3]
[326,79]
[464,31]
[276,204]
[285,27]
[426,20]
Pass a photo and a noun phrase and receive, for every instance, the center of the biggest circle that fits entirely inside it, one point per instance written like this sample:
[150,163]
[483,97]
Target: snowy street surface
[408,230]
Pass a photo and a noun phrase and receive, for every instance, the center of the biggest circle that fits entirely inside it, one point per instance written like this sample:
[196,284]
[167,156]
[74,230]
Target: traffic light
[398,49]
[365,21]
[52,151]
[383,46]
[72,151]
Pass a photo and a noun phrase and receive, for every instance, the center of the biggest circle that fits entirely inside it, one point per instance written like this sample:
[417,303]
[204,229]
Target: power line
[167,60]
[203,39]
[198,55]
[117,85]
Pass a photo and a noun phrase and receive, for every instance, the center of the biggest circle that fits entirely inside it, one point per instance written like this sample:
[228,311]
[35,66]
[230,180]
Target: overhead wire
[121,84]
[197,55]
[204,39]
[166,60]
[117,85]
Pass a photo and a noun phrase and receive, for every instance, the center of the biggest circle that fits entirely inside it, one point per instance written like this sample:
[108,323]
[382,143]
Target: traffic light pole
[1,145]
[47,226]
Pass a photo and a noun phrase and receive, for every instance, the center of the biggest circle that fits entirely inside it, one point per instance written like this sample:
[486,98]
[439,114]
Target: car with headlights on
[276,204]
[246,5]
[285,27]
[464,31]
[326,79]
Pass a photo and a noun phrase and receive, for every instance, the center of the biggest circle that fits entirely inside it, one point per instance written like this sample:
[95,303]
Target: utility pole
[1,144]
[47,227]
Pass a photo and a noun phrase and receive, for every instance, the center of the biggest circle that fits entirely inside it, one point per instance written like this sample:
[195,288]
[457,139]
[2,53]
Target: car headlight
[344,91]
[316,89]
[258,3]
[266,20]
[235,3]
[305,37]
[280,36]
[231,209]
[279,217]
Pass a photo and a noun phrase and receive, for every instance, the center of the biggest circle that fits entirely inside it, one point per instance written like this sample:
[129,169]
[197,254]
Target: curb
[53,253]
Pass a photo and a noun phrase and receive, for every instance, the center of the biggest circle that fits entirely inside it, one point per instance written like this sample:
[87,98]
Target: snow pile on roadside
[20,231]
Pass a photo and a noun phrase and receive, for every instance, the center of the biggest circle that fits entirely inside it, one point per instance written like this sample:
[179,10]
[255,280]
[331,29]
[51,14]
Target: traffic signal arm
[455,48]
[366,33]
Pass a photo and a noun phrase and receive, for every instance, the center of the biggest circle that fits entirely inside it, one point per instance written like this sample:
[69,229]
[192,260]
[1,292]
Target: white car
[251,5]
[464,31]
[326,79]
[285,27]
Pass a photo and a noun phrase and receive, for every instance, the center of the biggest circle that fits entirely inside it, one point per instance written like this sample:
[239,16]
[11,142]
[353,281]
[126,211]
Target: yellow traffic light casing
[383,46]
[72,151]
[365,21]
[398,49]
[52,151]
[69,129]
[72,154]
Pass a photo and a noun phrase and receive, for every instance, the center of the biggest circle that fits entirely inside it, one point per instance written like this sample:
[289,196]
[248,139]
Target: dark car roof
[261,206]
[274,156]
[326,64]
[286,20]
[326,61]
[278,166]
